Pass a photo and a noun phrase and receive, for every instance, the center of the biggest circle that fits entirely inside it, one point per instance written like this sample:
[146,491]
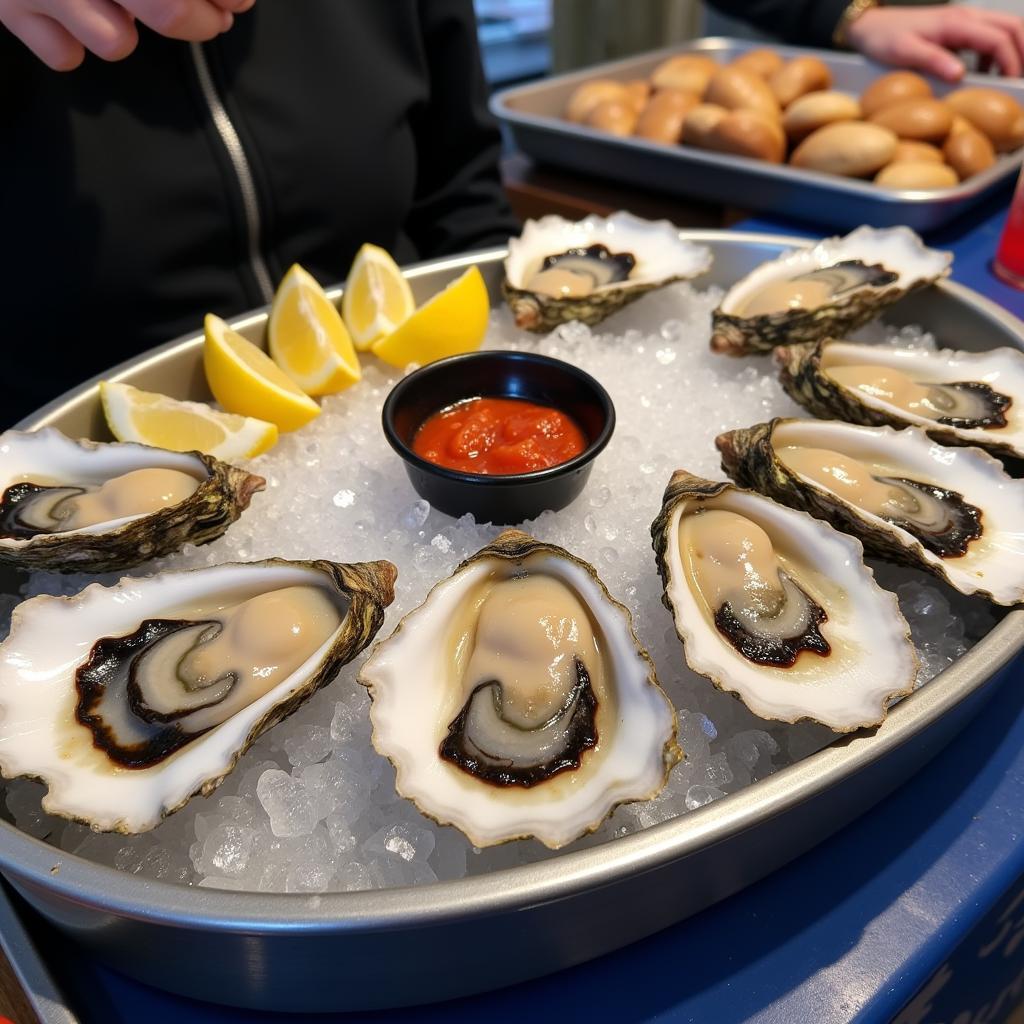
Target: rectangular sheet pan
[533,114]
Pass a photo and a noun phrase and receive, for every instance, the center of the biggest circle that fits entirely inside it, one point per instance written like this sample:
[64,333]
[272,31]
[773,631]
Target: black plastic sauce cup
[494,498]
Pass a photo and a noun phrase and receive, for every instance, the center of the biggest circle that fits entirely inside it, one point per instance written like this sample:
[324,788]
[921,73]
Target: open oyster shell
[660,255]
[831,647]
[49,457]
[68,667]
[491,756]
[984,391]
[955,512]
[829,289]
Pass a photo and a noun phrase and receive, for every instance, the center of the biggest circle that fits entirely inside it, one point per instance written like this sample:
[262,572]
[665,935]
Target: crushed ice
[312,807]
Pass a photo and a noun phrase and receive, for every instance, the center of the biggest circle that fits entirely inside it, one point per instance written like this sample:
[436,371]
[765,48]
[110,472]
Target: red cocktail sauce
[496,436]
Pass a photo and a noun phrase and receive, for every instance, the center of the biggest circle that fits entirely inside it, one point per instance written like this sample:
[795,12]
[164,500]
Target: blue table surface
[848,932]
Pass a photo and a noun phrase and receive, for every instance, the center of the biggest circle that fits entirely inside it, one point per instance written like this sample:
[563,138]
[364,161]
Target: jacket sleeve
[809,22]
[460,203]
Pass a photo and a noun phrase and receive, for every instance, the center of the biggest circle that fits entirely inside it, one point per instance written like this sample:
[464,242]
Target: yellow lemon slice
[307,338]
[377,298]
[244,379]
[453,321]
[151,418]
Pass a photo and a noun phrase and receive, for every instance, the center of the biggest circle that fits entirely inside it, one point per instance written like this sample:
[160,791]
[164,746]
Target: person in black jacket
[186,177]
[911,37]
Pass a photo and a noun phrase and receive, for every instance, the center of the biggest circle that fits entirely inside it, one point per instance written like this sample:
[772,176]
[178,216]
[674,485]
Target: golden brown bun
[926,120]
[895,87]
[736,89]
[853,148]
[662,118]
[921,175]
[969,153]
[589,94]
[749,133]
[689,72]
[815,110]
[617,117]
[763,62]
[798,77]
[995,113]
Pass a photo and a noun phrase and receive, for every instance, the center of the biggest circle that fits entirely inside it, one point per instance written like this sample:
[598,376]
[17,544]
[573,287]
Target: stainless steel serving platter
[533,114]
[341,951]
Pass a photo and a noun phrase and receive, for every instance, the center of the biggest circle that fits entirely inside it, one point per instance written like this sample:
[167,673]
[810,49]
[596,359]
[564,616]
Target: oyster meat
[954,512]
[778,607]
[963,398]
[79,506]
[516,700]
[558,270]
[828,289]
[128,700]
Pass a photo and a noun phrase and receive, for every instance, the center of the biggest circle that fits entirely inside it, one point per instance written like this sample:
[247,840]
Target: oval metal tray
[345,951]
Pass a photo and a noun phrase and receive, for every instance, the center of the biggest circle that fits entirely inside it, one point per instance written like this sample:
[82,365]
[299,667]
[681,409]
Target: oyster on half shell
[953,512]
[128,700]
[81,506]
[779,608]
[963,398]
[560,270]
[828,289]
[516,701]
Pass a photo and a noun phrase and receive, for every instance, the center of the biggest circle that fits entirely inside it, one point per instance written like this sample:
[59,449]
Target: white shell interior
[413,696]
[661,253]
[872,657]
[995,562]
[49,457]
[52,636]
[1001,368]
[898,249]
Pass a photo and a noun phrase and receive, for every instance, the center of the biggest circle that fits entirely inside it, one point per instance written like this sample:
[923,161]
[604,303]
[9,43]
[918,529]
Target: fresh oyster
[951,511]
[516,700]
[959,398]
[829,289]
[779,608]
[128,700]
[558,270]
[78,506]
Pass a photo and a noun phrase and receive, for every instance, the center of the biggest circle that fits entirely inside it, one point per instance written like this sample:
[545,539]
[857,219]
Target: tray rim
[33,862]
[964,192]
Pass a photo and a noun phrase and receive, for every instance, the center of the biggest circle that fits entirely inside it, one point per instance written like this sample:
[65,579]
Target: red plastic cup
[1009,261]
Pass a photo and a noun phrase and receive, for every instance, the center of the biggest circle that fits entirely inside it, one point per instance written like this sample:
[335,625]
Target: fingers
[103,27]
[911,50]
[1011,23]
[194,20]
[53,44]
[986,37]
[235,6]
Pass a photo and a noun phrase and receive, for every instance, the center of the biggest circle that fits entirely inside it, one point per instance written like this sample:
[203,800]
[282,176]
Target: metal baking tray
[347,951]
[533,114]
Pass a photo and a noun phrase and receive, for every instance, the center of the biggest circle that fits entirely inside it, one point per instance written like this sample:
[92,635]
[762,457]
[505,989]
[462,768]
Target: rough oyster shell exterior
[803,378]
[897,249]
[51,637]
[749,457]
[662,254]
[774,693]
[451,797]
[202,517]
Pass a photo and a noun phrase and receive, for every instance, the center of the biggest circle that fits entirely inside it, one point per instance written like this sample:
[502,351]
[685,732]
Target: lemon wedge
[151,418]
[453,321]
[307,337]
[245,380]
[377,298]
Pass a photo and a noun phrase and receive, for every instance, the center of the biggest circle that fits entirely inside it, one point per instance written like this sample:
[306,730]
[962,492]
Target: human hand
[59,32]
[922,38]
